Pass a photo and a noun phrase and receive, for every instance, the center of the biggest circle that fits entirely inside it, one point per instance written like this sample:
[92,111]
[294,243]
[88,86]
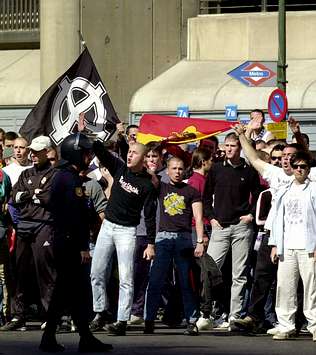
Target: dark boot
[149,327]
[49,344]
[90,344]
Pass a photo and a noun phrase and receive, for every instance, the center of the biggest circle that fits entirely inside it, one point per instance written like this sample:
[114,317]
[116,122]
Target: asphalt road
[165,342]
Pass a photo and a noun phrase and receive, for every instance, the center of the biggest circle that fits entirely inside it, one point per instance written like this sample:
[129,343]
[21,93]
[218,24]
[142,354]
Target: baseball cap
[40,143]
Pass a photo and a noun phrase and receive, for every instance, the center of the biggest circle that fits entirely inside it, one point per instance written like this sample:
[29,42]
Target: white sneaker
[204,323]
[221,322]
[274,331]
[135,320]
[284,335]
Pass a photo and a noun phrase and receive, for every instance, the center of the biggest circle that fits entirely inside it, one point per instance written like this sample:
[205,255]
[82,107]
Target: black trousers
[265,275]
[36,252]
[72,289]
[141,276]
[210,278]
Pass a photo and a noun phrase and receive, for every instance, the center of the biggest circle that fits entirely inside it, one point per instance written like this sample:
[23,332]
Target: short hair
[232,136]
[277,148]
[170,160]
[23,139]
[297,146]
[2,131]
[140,145]
[199,155]
[263,155]
[128,128]
[154,147]
[11,135]
[259,111]
[301,155]
[212,139]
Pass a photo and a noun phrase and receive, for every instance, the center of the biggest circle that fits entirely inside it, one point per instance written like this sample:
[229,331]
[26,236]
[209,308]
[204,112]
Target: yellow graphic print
[174,204]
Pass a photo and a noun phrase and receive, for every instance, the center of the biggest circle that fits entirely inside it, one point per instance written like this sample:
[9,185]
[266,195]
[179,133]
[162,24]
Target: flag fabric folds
[178,130]
[79,90]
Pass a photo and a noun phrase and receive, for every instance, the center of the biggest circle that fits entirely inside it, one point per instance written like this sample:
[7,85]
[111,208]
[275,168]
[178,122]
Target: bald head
[21,151]
[136,156]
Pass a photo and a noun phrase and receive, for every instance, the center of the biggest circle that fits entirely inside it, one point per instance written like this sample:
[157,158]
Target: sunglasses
[302,166]
[276,158]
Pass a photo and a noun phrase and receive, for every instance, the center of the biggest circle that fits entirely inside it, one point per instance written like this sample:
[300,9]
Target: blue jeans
[122,239]
[178,247]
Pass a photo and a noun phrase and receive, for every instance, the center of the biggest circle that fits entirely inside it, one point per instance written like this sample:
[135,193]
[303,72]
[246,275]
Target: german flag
[178,130]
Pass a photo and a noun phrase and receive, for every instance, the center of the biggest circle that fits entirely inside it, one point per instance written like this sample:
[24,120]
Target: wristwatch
[199,241]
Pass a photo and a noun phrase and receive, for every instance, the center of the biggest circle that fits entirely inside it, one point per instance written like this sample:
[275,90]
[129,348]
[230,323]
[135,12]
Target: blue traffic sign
[277,105]
[231,112]
[256,73]
[183,111]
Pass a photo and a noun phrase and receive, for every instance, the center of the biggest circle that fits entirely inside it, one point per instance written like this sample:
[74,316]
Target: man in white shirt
[293,238]
[20,162]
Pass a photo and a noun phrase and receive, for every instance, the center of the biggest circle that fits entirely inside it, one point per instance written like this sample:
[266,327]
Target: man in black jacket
[230,185]
[34,231]
[132,191]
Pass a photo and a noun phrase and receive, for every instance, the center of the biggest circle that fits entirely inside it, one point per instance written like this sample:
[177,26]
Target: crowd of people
[108,235]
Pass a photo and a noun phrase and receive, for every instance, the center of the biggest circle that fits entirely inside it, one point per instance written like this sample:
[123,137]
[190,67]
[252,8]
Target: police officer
[71,247]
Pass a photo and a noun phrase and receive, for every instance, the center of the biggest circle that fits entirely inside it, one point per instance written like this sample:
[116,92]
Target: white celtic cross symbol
[91,98]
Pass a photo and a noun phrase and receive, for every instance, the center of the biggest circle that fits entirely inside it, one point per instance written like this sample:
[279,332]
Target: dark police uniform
[70,213]
[71,236]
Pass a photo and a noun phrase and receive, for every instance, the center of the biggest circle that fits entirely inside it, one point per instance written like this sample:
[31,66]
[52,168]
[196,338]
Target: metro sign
[256,73]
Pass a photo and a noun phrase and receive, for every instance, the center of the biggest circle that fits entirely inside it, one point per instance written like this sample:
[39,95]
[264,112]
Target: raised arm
[249,151]
[296,130]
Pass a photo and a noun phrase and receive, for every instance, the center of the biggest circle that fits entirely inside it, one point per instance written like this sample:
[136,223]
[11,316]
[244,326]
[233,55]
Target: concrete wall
[250,36]
[134,41]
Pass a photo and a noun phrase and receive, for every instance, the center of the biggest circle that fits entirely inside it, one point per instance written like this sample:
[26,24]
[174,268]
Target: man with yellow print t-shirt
[178,202]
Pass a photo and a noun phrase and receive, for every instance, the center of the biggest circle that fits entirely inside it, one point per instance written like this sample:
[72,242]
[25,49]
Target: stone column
[59,39]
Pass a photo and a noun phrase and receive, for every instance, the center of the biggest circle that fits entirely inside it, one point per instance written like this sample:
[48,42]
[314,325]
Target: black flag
[78,90]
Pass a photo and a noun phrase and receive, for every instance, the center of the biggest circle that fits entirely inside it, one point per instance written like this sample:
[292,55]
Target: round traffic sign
[277,105]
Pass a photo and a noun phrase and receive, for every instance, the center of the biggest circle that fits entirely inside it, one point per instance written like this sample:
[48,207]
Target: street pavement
[165,341]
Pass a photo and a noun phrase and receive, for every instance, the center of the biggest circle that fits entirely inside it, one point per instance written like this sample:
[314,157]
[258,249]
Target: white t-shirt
[276,178]
[294,220]
[14,171]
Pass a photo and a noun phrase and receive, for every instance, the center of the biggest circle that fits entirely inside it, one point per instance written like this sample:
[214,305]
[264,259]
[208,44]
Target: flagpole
[81,39]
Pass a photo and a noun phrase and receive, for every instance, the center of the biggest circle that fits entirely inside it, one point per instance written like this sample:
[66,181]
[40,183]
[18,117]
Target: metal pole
[282,47]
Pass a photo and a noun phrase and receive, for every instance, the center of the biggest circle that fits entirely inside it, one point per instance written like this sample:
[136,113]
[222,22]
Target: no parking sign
[277,105]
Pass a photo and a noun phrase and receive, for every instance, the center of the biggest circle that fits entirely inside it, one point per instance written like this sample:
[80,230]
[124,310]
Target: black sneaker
[191,330]
[149,327]
[90,344]
[247,323]
[98,323]
[14,324]
[118,328]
